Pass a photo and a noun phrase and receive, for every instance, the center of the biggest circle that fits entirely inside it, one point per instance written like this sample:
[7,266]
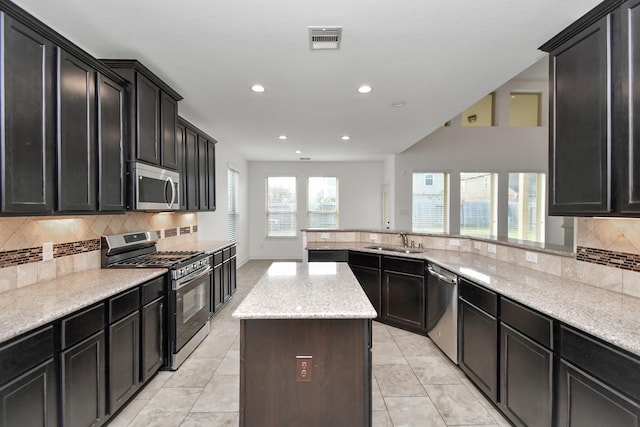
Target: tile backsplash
[76,242]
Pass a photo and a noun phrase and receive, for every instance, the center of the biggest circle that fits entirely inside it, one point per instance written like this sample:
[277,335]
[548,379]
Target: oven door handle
[184,281]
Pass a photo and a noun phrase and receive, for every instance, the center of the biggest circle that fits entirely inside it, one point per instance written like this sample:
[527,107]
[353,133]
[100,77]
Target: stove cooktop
[166,259]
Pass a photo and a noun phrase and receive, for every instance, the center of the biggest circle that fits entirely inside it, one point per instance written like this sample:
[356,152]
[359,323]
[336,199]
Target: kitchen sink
[396,249]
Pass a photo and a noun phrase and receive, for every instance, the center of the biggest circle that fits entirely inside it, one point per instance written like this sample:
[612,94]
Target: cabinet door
[169,124]
[192,169]
[28,126]
[110,146]
[152,338]
[627,145]
[369,279]
[76,140]
[218,291]
[404,300]
[478,347]
[182,164]
[580,122]
[526,372]
[211,175]
[148,126]
[226,274]
[203,179]
[232,276]
[583,401]
[83,382]
[124,360]
[31,399]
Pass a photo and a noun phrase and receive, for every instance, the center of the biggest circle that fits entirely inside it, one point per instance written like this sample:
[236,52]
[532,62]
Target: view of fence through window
[430,209]
[281,206]
[478,203]
[322,210]
[526,206]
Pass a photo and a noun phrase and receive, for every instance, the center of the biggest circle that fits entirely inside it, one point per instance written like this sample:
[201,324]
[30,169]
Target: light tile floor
[414,384]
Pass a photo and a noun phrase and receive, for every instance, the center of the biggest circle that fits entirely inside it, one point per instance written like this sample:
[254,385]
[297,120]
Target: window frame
[268,212]
[335,212]
[446,175]
[491,179]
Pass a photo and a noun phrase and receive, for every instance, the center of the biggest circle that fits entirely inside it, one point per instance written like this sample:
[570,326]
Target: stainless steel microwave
[154,188]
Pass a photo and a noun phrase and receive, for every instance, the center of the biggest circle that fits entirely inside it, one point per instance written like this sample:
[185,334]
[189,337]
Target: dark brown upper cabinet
[28,124]
[153,111]
[594,158]
[197,154]
[76,138]
[111,167]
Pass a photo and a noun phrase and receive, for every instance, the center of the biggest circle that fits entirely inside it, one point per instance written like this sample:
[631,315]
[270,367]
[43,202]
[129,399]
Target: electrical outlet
[47,251]
[324,236]
[304,369]
[477,245]
[454,242]
[531,257]
[491,248]
[373,236]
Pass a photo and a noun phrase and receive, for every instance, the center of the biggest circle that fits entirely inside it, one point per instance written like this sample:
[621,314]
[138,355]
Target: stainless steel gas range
[188,280]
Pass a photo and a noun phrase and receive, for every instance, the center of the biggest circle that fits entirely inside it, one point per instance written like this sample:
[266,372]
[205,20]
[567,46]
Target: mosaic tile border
[28,255]
[625,261]
[185,230]
[170,232]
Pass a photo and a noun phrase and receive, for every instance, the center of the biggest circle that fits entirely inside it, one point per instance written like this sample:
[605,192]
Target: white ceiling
[438,56]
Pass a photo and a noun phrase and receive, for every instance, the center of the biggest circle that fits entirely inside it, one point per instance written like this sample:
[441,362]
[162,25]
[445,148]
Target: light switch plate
[491,248]
[47,251]
[373,236]
[324,236]
[454,242]
[477,245]
[531,257]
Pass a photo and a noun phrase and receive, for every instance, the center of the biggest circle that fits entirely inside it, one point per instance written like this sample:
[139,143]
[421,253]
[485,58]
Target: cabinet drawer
[403,265]
[479,296]
[364,260]
[233,250]
[152,290]
[226,254]
[327,255]
[80,325]
[25,353]
[530,323]
[123,305]
[217,258]
[621,371]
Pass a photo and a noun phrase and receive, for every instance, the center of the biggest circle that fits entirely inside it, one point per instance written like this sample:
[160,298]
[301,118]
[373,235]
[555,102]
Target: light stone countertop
[290,290]
[610,316]
[25,309]
[207,246]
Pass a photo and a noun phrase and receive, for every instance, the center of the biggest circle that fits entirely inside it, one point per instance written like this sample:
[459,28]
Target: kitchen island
[305,348]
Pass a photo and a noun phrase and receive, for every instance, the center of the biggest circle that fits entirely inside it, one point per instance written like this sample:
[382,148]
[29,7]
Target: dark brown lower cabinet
[233,285]
[218,292]
[526,375]
[478,347]
[369,278]
[404,293]
[327,255]
[83,382]
[226,274]
[339,390]
[124,360]
[152,338]
[31,398]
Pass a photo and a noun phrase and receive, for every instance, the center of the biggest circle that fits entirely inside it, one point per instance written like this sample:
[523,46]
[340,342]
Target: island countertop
[291,290]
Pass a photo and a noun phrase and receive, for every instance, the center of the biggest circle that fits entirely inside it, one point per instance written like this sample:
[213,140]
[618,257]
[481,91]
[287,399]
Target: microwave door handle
[169,181]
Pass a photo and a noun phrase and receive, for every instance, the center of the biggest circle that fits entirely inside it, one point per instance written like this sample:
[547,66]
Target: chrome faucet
[403,236]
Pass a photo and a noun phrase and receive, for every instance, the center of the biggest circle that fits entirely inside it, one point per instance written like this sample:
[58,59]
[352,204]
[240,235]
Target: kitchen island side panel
[339,392]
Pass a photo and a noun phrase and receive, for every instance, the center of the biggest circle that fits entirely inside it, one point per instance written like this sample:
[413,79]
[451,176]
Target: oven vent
[321,38]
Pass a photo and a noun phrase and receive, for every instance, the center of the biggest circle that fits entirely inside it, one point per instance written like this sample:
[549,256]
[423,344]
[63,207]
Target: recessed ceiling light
[398,104]
[257,88]
[364,89]
[346,138]
[298,152]
[282,137]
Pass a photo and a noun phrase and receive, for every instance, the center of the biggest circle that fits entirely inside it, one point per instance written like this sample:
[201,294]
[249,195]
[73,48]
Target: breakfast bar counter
[305,348]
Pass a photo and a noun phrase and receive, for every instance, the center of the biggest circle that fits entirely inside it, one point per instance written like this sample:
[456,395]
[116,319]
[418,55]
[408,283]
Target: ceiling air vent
[325,38]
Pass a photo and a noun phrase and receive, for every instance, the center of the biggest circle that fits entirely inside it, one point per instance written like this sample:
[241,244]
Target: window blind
[233,177]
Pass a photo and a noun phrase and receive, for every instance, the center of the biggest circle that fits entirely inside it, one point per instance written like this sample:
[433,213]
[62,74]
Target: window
[526,211]
[478,204]
[322,210]
[232,204]
[481,113]
[282,206]
[430,205]
[525,109]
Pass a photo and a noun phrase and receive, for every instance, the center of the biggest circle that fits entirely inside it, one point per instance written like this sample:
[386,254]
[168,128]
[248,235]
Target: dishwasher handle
[447,279]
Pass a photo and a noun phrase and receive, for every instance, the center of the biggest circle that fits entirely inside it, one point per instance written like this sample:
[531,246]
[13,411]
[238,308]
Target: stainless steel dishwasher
[442,310]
